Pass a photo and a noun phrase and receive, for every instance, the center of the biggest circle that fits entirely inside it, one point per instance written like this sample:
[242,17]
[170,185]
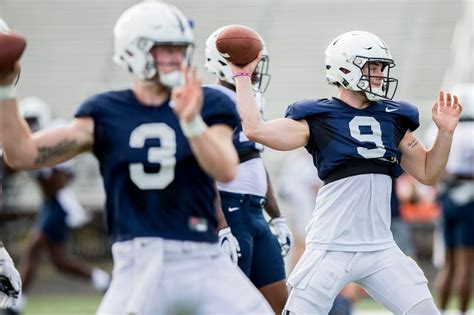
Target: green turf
[86,304]
[78,304]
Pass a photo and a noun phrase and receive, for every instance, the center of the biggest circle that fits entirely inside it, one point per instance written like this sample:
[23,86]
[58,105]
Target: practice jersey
[341,134]
[154,185]
[356,153]
[251,176]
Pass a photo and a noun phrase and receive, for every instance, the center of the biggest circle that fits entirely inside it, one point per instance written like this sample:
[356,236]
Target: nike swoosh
[389,110]
[231,209]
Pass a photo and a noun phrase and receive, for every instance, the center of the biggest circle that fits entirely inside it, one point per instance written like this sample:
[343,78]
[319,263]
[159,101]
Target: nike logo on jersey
[231,209]
[390,109]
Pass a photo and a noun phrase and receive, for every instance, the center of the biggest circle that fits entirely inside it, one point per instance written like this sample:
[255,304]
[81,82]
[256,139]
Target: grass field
[86,304]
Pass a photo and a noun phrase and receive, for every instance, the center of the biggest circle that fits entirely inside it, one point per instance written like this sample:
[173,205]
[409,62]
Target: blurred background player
[299,185]
[59,212]
[160,145]
[401,231]
[244,198]
[456,197]
[357,140]
[10,281]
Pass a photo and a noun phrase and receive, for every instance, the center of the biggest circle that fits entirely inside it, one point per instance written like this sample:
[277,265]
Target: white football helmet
[465,94]
[217,64]
[345,59]
[4,26]
[36,112]
[145,25]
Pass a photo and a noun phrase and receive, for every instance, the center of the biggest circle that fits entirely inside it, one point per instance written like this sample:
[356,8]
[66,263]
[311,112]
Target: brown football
[239,44]
[12,46]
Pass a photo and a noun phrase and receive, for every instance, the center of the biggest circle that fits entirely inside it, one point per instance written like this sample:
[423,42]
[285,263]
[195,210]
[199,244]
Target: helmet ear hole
[344,70]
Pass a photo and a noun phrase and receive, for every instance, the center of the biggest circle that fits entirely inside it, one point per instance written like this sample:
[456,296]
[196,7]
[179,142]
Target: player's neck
[353,98]
[150,94]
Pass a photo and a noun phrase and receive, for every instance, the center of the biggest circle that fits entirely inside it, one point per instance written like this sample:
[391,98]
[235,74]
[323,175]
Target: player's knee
[425,307]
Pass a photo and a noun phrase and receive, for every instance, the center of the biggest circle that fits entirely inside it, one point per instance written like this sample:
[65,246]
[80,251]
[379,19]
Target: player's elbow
[251,133]
[228,175]
[428,180]
[228,168]
[17,164]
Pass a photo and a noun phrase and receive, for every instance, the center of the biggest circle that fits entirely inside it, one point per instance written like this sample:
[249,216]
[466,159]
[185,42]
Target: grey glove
[283,234]
[229,244]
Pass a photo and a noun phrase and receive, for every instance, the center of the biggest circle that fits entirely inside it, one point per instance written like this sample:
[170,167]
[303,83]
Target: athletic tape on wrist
[194,128]
[7,92]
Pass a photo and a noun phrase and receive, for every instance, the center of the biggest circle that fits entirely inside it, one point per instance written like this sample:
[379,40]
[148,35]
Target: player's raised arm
[282,134]
[428,165]
[26,150]
[212,146]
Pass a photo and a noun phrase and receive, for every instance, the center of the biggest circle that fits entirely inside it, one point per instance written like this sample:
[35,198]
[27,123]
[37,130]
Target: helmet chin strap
[371,93]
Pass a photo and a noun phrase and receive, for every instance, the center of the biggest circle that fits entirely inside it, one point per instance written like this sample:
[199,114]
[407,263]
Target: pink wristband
[241,74]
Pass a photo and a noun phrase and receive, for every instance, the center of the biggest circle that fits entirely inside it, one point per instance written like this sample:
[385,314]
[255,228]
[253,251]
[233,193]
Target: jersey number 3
[374,137]
[165,155]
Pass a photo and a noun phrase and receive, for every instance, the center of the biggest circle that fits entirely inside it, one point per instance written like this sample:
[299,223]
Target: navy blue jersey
[242,144]
[154,185]
[341,134]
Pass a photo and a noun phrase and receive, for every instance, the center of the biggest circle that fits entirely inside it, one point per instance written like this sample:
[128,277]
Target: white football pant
[391,278]
[153,276]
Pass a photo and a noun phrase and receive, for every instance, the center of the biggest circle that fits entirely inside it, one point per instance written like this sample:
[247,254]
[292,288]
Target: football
[12,46]
[239,44]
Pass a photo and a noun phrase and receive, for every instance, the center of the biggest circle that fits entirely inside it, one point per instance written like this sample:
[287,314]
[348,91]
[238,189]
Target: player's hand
[188,99]
[446,112]
[249,68]
[283,234]
[10,281]
[10,77]
[229,244]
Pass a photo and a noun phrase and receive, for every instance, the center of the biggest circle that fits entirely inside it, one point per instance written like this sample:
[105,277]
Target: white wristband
[194,128]
[7,92]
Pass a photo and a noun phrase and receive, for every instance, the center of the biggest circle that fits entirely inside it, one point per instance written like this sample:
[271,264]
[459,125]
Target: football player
[10,281]
[160,145]
[244,198]
[59,212]
[357,140]
[457,201]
